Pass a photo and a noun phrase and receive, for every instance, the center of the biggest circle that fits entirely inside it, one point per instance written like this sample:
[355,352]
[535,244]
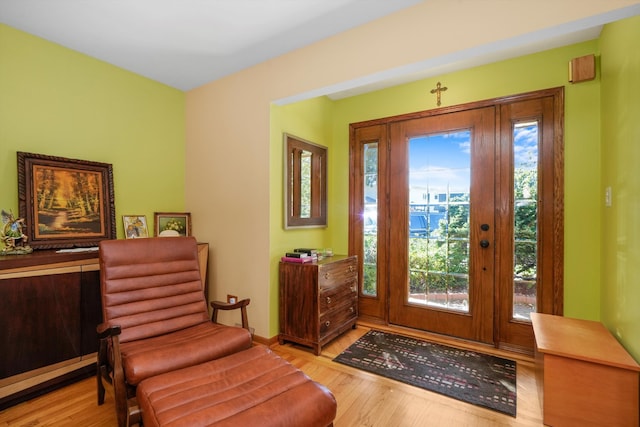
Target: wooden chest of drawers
[318,301]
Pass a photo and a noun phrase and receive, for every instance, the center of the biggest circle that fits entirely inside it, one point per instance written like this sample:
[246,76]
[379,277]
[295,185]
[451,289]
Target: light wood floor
[363,399]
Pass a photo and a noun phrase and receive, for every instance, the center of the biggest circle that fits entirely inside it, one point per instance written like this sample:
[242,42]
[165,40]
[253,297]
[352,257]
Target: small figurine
[15,241]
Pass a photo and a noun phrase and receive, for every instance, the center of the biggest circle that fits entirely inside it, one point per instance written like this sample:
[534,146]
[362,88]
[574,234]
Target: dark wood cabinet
[90,309]
[38,313]
[50,310]
[318,301]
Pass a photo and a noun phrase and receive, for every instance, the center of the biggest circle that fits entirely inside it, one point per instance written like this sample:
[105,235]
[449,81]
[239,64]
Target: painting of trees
[68,201]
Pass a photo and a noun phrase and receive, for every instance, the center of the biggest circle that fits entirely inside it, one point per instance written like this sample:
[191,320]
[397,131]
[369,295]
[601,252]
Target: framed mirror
[305,177]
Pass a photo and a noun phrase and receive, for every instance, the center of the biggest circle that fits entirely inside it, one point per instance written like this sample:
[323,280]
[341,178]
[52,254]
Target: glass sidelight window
[370,219]
[525,215]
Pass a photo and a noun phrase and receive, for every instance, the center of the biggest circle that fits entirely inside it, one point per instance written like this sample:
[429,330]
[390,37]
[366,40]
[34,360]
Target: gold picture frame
[135,226]
[172,224]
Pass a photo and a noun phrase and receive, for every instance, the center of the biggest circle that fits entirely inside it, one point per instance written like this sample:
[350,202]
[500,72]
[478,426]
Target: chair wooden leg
[119,386]
[134,414]
[100,385]
[245,321]
[122,407]
[101,369]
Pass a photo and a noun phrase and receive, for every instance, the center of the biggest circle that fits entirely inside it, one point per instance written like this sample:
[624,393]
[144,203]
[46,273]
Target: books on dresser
[300,256]
[296,259]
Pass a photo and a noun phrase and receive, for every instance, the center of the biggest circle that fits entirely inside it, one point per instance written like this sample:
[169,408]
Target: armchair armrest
[220,305]
[242,305]
[105,330]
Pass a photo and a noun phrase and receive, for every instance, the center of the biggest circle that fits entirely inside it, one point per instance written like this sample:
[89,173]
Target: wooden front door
[456,217]
[442,223]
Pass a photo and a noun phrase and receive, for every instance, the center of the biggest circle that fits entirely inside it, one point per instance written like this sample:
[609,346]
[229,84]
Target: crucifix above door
[438,91]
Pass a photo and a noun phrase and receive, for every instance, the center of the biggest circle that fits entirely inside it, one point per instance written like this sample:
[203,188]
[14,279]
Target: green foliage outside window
[439,263]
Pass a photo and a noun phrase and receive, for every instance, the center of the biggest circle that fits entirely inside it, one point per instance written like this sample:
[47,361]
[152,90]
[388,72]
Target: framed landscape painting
[66,202]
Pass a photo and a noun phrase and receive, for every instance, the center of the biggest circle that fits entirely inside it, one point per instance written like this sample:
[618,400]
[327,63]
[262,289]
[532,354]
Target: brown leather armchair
[155,317]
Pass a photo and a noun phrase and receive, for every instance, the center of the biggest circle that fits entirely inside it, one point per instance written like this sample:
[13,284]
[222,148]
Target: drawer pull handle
[351,269]
[353,289]
[327,323]
[328,300]
[351,309]
[326,276]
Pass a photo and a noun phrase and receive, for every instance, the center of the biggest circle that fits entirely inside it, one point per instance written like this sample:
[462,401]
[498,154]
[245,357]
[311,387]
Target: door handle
[484,243]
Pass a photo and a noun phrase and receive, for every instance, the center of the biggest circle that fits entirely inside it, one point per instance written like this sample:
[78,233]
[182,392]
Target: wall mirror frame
[305,182]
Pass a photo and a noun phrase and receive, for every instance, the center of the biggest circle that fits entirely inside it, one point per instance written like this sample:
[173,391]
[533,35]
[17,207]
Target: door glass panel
[525,214]
[439,185]
[370,220]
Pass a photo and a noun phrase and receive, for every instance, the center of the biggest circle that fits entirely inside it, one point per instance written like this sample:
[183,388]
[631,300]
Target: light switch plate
[607,197]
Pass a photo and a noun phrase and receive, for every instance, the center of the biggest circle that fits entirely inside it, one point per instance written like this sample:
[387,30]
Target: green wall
[58,102]
[540,71]
[620,280]
[310,120]
[528,73]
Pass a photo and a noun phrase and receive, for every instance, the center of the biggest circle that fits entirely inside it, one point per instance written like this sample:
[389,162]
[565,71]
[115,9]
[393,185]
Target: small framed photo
[135,226]
[173,224]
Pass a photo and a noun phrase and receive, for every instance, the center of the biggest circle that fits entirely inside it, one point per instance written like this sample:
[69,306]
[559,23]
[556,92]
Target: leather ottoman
[254,387]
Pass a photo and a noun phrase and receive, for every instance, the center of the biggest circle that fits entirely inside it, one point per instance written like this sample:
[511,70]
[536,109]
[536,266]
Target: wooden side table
[588,378]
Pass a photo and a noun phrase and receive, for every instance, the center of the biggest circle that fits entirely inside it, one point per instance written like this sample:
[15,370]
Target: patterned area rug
[475,378]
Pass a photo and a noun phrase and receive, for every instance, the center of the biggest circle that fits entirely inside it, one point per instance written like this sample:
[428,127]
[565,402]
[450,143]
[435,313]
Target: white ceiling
[187,43]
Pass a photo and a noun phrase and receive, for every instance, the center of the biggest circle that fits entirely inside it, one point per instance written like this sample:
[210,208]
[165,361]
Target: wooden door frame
[512,334]
[375,308]
[551,300]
